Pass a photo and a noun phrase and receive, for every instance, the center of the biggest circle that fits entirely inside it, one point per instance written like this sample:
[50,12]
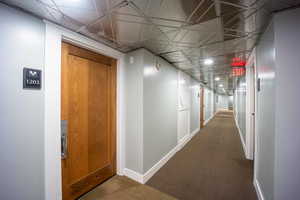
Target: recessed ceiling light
[221,85]
[208,61]
[217,78]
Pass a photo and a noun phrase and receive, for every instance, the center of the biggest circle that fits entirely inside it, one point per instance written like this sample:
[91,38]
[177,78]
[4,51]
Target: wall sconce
[152,69]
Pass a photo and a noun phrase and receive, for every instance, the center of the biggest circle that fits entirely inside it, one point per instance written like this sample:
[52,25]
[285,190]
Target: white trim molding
[241,137]
[195,132]
[206,121]
[159,165]
[143,178]
[250,104]
[182,142]
[133,175]
[54,36]
[258,190]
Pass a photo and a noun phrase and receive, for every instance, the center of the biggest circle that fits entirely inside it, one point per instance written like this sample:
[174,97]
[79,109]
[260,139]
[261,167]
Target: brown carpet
[122,188]
[211,166]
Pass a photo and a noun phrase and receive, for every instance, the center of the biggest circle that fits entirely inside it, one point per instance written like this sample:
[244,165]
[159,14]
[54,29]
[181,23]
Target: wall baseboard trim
[182,142]
[195,132]
[258,190]
[133,175]
[160,164]
[186,139]
[241,137]
[143,178]
[206,121]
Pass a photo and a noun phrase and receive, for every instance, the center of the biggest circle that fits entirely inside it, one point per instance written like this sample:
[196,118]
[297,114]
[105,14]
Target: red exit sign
[238,71]
[238,62]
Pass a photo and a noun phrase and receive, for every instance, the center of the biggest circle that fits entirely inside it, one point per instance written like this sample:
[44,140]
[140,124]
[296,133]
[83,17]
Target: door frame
[54,35]
[255,155]
[250,106]
[202,107]
[183,83]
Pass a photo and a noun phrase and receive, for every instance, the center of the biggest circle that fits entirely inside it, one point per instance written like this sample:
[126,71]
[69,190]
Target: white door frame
[250,105]
[256,118]
[183,79]
[52,75]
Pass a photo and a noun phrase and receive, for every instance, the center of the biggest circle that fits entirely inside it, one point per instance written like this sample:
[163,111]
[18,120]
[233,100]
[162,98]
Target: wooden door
[88,105]
[201,107]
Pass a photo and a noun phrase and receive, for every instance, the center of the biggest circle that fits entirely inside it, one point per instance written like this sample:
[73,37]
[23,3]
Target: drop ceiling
[184,32]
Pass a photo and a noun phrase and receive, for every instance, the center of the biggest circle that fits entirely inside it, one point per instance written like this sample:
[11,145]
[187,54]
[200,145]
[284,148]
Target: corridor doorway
[202,107]
[88,119]
[250,108]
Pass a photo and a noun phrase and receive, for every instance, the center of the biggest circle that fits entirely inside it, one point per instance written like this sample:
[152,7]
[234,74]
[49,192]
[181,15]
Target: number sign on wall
[32,78]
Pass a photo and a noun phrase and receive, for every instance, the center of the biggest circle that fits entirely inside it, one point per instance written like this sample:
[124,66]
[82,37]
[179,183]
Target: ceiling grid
[184,32]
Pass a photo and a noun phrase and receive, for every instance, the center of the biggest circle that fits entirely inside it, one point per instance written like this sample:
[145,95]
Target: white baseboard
[133,175]
[206,121]
[182,142]
[241,137]
[258,190]
[186,139]
[159,164]
[195,132]
[143,178]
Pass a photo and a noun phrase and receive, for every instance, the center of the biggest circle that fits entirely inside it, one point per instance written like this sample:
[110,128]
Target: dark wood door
[201,107]
[88,106]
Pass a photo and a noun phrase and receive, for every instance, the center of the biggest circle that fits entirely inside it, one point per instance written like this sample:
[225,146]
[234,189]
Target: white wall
[265,155]
[230,102]
[278,142]
[209,104]
[222,103]
[184,105]
[151,110]
[159,118]
[160,110]
[22,111]
[134,110]
[195,106]
[240,107]
[287,94]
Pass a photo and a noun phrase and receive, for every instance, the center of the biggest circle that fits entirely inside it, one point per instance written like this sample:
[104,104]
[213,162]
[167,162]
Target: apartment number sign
[32,78]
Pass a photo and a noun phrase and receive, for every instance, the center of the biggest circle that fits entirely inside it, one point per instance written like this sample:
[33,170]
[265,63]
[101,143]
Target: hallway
[211,166]
[107,99]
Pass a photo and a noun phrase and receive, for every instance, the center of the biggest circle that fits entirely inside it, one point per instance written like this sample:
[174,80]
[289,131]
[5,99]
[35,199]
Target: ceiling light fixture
[217,78]
[208,61]
[221,85]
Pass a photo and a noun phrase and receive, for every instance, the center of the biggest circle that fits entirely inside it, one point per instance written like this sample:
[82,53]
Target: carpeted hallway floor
[123,188]
[211,166]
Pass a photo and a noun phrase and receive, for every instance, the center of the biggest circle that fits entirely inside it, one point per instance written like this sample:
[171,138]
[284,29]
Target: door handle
[64,139]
